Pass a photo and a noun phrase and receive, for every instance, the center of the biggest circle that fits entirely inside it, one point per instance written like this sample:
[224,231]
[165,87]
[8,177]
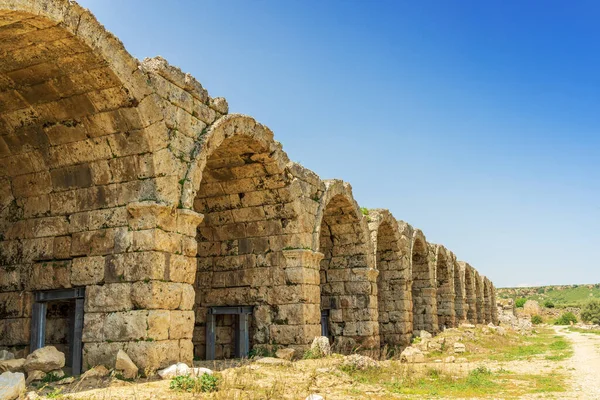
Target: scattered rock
[12,385]
[45,359]
[467,326]
[412,355]
[459,347]
[320,346]
[35,376]
[181,369]
[125,365]
[449,359]
[272,361]
[359,362]
[32,396]
[15,365]
[425,335]
[6,355]
[501,331]
[286,354]
[58,373]
[434,346]
[315,397]
[461,360]
[99,371]
[66,381]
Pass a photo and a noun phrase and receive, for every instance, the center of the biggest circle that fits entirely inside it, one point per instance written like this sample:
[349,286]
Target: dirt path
[584,365]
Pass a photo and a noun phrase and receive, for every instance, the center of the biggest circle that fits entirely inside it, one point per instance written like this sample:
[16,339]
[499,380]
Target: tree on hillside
[591,312]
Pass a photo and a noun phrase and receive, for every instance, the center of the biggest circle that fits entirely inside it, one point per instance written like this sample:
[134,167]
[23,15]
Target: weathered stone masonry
[127,179]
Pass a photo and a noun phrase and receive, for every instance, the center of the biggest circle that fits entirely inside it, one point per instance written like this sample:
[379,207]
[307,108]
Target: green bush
[520,302]
[548,304]
[591,312]
[536,320]
[204,383]
[566,319]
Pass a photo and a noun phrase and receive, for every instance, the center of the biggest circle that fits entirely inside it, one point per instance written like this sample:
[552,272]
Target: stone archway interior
[246,209]
[421,283]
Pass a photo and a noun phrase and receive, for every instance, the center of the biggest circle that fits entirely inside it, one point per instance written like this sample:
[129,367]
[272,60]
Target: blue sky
[477,122]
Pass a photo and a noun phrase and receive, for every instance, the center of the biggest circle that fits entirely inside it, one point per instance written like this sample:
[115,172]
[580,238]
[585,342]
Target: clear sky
[477,122]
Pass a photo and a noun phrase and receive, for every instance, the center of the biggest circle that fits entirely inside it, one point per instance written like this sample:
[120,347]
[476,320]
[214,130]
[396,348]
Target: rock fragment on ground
[412,355]
[15,365]
[359,362]
[125,365]
[320,346]
[285,354]
[182,369]
[6,355]
[12,385]
[459,347]
[45,359]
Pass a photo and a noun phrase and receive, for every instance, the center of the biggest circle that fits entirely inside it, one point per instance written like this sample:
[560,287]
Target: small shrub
[520,302]
[591,312]
[205,383]
[548,304]
[364,210]
[311,354]
[566,319]
[536,320]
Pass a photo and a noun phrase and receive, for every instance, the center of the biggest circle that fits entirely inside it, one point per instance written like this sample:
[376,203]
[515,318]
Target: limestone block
[108,298]
[182,325]
[124,364]
[188,296]
[412,355]
[156,295]
[87,270]
[12,365]
[45,359]
[12,385]
[126,325]
[150,356]
[320,346]
[159,322]
[93,327]
[182,269]
[50,275]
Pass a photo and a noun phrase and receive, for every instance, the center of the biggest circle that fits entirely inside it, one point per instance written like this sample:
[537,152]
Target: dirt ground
[579,373]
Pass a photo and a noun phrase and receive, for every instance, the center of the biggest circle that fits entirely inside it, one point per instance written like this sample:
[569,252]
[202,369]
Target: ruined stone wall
[443,265]
[128,179]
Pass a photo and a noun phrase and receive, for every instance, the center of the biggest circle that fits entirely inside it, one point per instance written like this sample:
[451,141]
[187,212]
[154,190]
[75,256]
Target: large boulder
[45,359]
[320,346]
[459,347]
[125,365]
[412,355]
[12,385]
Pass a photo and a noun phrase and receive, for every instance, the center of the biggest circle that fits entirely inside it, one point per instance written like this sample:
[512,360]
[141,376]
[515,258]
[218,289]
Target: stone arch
[444,278]
[479,302]
[423,287]
[470,292]
[246,195]
[348,279]
[79,130]
[494,305]
[459,291]
[393,282]
[223,130]
[487,300]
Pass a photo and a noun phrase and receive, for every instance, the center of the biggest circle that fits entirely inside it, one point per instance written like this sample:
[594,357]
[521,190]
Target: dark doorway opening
[241,330]
[71,302]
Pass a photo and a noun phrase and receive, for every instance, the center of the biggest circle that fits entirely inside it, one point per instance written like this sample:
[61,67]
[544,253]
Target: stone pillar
[494,305]
[296,319]
[142,300]
[479,302]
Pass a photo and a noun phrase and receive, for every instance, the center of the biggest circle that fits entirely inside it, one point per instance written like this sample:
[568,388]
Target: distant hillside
[561,296]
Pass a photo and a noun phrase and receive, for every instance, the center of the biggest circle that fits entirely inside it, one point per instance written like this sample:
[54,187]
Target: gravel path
[584,365]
